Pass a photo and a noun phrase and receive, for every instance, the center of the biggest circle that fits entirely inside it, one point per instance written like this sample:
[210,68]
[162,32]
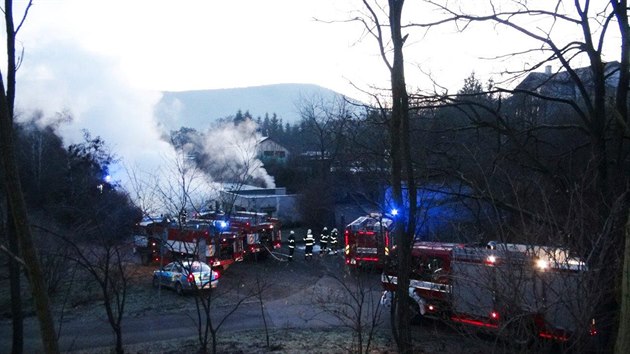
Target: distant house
[562,85]
[538,97]
[274,202]
[269,150]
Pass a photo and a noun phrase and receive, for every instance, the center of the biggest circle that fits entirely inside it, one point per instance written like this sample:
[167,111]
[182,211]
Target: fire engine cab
[147,238]
[517,290]
[262,233]
[209,239]
[367,240]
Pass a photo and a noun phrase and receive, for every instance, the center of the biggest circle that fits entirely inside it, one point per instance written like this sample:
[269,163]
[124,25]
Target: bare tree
[324,124]
[356,304]
[599,103]
[17,206]
[261,288]
[324,128]
[208,319]
[384,24]
[106,261]
[182,185]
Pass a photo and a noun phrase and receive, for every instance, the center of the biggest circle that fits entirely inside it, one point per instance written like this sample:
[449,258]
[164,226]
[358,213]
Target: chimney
[548,69]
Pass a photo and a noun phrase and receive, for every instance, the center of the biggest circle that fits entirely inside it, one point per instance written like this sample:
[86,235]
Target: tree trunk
[17,318]
[23,230]
[622,344]
[15,197]
[399,147]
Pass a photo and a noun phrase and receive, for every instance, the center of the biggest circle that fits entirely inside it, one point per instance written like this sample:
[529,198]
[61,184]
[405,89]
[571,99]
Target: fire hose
[276,257]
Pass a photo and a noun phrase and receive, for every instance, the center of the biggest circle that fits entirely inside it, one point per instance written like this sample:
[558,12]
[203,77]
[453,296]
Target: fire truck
[367,240]
[147,239]
[209,239]
[521,291]
[262,232]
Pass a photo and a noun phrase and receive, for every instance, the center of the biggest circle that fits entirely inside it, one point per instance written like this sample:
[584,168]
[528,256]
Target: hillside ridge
[199,108]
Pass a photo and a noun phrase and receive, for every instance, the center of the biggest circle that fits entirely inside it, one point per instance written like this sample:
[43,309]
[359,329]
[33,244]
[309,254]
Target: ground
[309,283]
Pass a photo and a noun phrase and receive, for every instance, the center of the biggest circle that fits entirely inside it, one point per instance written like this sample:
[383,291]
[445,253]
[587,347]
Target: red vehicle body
[502,288]
[147,238]
[262,232]
[368,241]
[200,240]
[197,239]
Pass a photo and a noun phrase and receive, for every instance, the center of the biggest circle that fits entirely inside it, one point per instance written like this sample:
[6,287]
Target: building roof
[561,84]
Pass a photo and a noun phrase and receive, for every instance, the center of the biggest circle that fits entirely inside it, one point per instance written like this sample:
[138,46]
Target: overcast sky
[107,61]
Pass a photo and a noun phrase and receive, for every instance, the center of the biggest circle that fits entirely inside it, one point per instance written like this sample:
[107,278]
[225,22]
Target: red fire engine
[513,289]
[367,240]
[210,240]
[147,239]
[262,232]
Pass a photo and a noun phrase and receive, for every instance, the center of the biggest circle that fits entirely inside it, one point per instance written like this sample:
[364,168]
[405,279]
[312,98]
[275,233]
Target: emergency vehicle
[147,238]
[167,241]
[211,239]
[368,241]
[261,232]
[521,291]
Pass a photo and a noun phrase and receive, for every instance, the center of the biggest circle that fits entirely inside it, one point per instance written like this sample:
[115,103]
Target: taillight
[191,278]
[593,329]
[217,275]
[494,315]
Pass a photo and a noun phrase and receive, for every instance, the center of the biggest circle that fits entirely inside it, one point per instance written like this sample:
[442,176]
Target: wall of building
[273,201]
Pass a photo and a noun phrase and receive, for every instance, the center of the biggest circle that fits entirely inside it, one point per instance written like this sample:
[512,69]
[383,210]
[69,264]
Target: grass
[299,340]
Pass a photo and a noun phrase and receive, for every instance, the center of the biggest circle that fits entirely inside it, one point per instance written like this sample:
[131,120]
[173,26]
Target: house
[269,150]
[274,202]
[541,97]
[562,85]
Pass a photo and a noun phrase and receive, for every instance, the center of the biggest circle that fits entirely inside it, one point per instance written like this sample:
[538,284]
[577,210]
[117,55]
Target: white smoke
[231,154]
[93,91]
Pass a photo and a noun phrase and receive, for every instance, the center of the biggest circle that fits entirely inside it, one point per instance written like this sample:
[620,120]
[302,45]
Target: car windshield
[200,267]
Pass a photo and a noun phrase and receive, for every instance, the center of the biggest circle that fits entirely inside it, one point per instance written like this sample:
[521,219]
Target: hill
[196,109]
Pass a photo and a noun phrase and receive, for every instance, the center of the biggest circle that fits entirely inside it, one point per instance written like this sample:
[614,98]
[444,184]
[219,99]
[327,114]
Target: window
[427,268]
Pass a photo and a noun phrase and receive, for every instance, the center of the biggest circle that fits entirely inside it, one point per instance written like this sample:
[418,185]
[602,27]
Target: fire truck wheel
[521,332]
[179,289]
[414,312]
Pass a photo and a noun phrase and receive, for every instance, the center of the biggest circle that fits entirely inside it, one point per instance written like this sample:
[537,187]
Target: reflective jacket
[291,241]
[333,237]
[309,240]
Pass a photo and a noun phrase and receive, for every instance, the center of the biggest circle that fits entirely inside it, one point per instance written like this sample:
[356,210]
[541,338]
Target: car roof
[187,263]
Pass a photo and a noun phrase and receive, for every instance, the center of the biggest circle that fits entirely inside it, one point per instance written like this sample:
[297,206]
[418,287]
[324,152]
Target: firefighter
[334,236]
[309,241]
[323,241]
[291,245]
